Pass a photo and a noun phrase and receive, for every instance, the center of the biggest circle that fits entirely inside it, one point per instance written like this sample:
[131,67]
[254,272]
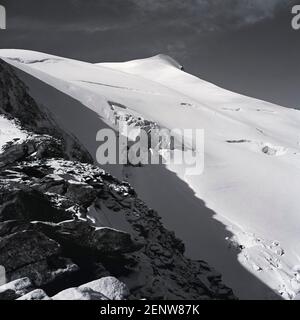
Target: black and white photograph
[149,151]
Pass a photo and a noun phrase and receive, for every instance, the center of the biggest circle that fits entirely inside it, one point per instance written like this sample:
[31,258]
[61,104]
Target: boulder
[28,205]
[80,192]
[42,146]
[111,287]
[100,240]
[108,240]
[37,294]
[32,254]
[12,226]
[79,294]
[15,289]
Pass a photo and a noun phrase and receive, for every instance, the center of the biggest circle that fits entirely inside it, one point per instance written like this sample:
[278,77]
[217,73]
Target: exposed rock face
[65,222]
[37,294]
[33,254]
[16,104]
[15,289]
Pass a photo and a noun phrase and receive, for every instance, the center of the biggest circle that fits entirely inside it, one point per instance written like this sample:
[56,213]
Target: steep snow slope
[251,177]
[9,131]
[65,222]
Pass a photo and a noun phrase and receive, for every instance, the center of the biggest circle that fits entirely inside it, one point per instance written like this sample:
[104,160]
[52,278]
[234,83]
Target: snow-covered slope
[251,178]
[9,131]
[65,222]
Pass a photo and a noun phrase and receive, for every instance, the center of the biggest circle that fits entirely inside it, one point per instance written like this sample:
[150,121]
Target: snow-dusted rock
[107,288]
[37,294]
[111,287]
[79,294]
[103,240]
[15,289]
[24,119]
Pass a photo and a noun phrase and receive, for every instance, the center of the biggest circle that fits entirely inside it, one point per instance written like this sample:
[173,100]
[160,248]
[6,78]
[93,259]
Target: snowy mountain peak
[65,222]
[159,60]
[167,60]
[251,179]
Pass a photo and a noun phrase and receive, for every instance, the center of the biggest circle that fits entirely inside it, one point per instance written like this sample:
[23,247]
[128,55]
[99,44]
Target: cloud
[127,29]
[210,15]
[98,15]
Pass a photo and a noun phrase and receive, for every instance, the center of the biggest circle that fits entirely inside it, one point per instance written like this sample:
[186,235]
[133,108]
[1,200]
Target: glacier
[251,177]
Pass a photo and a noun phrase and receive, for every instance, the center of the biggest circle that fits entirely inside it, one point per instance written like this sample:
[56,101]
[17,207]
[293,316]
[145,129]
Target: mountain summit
[71,231]
[245,206]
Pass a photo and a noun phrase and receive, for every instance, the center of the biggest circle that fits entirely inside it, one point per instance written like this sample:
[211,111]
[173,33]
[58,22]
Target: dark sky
[246,46]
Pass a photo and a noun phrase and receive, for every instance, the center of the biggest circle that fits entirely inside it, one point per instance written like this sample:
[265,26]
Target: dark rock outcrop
[37,294]
[16,104]
[33,254]
[15,289]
